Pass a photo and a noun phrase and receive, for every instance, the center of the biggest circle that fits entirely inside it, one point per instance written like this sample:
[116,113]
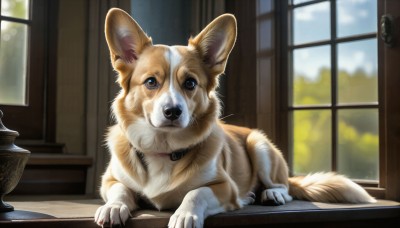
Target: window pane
[356,17]
[13,54]
[358,143]
[312,76]
[15,8]
[264,6]
[265,29]
[357,72]
[311,23]
[311,141]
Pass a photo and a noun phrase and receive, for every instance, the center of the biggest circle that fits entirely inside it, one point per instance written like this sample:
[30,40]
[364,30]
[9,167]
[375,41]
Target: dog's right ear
[125,38]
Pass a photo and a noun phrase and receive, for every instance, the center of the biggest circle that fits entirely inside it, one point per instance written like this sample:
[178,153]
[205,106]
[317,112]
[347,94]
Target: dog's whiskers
[226,116]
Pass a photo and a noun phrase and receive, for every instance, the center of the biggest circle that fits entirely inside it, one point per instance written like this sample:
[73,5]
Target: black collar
[174,156]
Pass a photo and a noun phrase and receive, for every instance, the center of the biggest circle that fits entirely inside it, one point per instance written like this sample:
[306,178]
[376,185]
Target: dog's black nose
[172,113]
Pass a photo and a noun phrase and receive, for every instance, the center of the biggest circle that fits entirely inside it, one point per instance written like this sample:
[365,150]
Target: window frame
[35,121]
[388,186]
[333,42]
[390,122]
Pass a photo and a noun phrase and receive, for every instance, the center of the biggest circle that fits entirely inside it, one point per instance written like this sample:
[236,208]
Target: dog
[169,146]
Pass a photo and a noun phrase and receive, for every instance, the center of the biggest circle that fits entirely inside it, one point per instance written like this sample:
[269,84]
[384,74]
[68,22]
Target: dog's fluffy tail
[329,188]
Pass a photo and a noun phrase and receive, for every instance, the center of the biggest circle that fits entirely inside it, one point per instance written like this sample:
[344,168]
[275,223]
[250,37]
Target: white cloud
[350,11]
[308,13]
[363,13]
[305,55]
[356,60]
[359,57]
[308,62]
[345,18]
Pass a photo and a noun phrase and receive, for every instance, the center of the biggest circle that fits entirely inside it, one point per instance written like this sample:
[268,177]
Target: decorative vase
[12,163]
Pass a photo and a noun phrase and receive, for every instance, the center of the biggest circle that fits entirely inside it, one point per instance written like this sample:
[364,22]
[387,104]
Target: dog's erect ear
[125,39]
[215,42]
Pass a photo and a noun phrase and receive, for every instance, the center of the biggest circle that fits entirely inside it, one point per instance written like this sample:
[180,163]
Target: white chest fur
[159,177]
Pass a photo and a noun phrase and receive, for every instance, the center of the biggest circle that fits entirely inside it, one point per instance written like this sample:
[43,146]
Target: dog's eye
[190,84]
[151,83]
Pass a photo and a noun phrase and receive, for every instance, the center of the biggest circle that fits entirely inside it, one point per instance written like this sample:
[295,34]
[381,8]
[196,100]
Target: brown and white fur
[224,163]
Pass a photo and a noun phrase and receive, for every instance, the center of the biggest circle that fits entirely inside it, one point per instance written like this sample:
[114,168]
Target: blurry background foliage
[13,53]
[358,139]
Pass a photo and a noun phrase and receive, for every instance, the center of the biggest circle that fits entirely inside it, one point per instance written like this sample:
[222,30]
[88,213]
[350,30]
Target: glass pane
[357,72]
[15,8]
[264,6]
[13,55]
[265,29]
[311,141]
[311,23]
[265,68]
[312,76]
[356,17]
[358,143]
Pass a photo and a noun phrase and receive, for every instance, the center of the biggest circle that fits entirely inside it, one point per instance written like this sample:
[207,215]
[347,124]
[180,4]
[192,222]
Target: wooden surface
[79,213]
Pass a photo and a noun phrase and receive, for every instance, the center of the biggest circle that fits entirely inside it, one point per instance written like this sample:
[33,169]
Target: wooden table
[79,213]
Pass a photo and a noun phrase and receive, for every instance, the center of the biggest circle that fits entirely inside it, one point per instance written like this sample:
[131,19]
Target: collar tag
[175,156]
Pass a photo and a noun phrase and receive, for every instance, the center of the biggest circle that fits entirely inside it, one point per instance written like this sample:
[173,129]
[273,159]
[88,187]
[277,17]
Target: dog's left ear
[215,42]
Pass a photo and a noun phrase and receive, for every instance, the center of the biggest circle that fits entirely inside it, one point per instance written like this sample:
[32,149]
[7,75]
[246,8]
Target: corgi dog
[169,146]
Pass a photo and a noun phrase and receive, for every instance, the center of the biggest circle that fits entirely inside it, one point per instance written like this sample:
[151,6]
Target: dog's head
[167,88]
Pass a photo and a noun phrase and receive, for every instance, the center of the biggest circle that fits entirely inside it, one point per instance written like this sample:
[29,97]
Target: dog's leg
[275,193]
[271,167]
[197,205]
[120,201]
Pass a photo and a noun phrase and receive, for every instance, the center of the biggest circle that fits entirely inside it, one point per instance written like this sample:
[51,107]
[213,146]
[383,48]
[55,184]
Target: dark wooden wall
[238,85]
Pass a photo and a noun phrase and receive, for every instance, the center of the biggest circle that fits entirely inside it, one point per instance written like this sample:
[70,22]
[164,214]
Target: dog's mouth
[171,125]
[167,125]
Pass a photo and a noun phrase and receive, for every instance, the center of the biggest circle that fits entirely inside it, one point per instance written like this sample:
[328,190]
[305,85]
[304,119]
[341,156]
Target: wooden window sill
[79,213]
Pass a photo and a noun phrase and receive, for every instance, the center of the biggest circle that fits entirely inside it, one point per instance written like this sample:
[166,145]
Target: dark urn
[12,163]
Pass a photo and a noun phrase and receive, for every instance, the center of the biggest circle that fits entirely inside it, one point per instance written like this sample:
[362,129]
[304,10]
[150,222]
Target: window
[27,67]
[333,87]
[337,108]
[15,22]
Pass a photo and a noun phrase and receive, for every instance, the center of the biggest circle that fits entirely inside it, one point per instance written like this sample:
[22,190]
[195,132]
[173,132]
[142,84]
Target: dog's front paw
[112,214]
[186,219]
[249,199]
[275,197]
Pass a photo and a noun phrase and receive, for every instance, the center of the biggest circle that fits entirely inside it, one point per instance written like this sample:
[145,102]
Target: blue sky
[312,23]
